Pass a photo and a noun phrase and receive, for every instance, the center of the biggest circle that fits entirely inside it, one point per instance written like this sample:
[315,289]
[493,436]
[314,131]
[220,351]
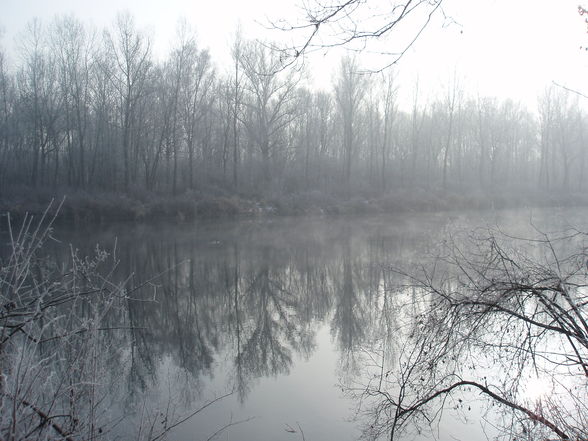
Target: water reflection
[232,305]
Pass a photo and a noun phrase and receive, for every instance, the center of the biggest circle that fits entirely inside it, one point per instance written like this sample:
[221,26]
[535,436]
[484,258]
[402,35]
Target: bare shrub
[63,353]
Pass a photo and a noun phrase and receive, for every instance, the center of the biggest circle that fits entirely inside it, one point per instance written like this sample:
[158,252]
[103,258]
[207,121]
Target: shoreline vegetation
[83,208]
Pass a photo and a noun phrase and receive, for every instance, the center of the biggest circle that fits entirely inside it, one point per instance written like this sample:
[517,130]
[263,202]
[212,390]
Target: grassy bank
[82,208]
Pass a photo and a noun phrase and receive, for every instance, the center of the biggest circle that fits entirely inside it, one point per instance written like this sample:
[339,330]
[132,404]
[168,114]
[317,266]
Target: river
[278,312]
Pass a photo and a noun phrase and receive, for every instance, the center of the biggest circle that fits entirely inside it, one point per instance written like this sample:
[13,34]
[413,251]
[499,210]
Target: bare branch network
[490,322]
[357,25]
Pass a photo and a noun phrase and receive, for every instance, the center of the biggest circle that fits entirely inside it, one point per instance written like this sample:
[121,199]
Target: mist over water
[369,227]
[282,312]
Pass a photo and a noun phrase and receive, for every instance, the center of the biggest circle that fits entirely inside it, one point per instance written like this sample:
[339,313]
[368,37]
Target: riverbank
[82,208]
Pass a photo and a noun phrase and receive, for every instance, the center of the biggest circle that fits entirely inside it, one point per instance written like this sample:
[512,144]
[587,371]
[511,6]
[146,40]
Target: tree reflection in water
[272,330]
[225,307]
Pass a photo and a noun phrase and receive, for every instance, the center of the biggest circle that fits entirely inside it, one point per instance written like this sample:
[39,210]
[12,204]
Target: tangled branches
[500,320]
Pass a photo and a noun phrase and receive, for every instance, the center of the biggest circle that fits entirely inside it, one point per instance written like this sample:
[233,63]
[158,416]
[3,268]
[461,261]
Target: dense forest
[96,112]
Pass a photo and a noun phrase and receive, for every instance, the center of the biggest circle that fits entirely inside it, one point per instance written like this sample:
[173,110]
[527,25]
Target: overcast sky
[505,48]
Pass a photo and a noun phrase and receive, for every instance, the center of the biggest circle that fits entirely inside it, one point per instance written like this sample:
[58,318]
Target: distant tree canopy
[96,111]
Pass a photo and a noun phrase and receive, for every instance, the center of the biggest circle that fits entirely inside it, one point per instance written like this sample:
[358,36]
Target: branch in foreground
[532,415]
[345,22]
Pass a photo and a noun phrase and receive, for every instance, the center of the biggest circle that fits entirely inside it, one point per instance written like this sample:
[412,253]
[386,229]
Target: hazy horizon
[502,50]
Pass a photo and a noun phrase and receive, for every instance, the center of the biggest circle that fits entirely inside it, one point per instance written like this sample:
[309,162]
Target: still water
[276,312]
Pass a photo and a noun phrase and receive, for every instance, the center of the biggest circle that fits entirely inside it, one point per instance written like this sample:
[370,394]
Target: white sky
[503,48]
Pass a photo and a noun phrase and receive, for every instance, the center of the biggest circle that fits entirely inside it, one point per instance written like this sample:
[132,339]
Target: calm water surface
[278,311]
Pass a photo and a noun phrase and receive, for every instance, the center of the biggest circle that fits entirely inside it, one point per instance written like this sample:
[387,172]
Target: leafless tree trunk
[131,52]
[348,91]
[269,95]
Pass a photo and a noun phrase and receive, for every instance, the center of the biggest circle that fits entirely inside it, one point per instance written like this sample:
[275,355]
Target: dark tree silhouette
[505,323]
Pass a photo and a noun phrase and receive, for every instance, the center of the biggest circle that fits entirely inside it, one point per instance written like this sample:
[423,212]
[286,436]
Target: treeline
[96,111]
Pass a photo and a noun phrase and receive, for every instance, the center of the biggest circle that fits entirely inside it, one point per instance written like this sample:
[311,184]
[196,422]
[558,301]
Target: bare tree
[268,97]
[390,113]
[417,121]
[546,119]
[192,81]
[453,105]
[131,53]
[37,81]
[7,101]
[355,24]
[236,93]
[349,91]
[506,321]
[73,45]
